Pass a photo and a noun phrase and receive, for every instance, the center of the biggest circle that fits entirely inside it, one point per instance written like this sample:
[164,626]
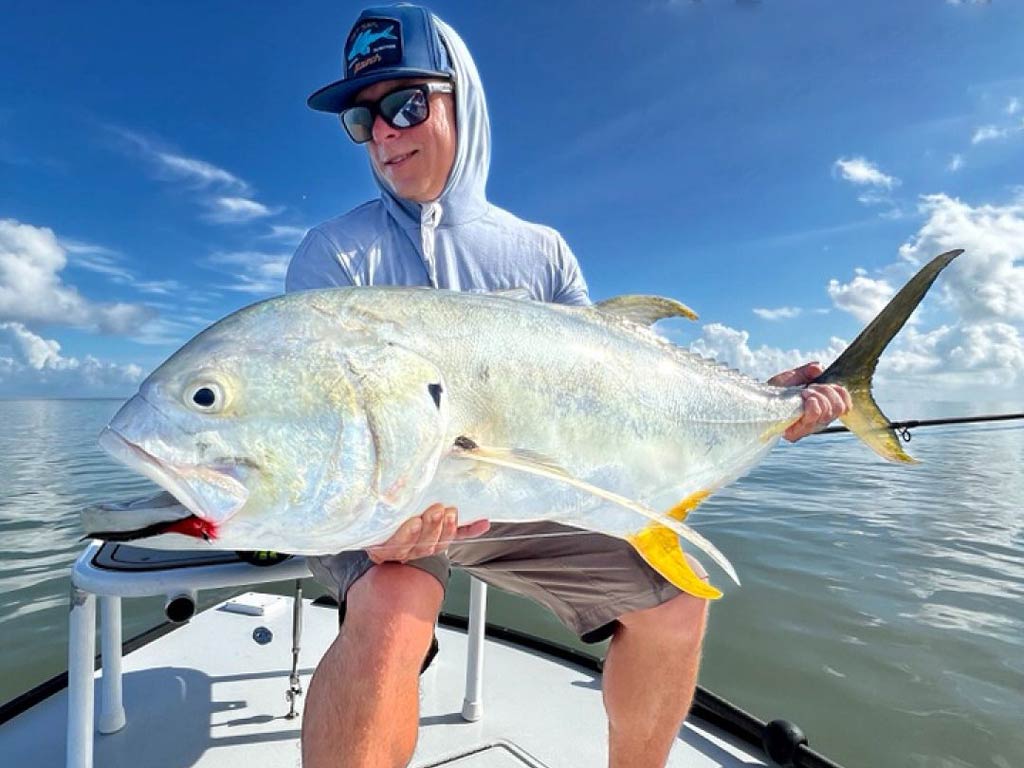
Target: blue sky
[780,166]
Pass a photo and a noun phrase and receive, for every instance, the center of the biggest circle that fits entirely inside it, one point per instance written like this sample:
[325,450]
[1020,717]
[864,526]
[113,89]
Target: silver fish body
[319,421]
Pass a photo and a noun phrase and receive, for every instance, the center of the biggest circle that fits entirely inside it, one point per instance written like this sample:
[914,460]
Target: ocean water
[882,607]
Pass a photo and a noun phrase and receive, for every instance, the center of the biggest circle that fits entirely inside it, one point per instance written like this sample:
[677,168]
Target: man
[412,94]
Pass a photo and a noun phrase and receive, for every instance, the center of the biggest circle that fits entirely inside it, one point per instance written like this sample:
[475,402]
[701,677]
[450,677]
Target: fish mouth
[203,497]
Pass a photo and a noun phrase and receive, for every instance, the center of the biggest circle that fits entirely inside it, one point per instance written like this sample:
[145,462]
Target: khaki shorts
[587,580]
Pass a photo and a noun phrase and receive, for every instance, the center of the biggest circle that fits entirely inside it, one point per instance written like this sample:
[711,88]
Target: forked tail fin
[856,366]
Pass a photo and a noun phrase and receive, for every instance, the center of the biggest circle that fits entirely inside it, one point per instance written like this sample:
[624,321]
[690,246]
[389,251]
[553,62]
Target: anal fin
[659,547]
[687,505]
[542,466]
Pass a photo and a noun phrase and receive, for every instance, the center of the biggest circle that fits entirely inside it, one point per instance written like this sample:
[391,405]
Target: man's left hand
[822,402]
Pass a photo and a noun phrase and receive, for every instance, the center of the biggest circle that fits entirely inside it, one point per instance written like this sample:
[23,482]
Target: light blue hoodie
[460,241]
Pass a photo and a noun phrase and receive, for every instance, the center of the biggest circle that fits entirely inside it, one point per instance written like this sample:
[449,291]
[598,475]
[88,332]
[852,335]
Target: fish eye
[205,396]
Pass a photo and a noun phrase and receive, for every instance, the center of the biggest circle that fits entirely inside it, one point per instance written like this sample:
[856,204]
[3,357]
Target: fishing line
[559,534]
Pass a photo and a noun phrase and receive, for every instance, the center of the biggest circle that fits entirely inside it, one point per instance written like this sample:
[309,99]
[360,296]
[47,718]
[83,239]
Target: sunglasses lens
[405,108]
[358,122]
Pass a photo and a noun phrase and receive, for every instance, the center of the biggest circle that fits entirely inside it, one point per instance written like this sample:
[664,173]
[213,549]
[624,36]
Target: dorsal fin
[645,310]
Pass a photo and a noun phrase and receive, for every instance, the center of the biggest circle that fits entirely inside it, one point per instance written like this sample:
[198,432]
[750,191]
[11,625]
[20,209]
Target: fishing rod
[903,428]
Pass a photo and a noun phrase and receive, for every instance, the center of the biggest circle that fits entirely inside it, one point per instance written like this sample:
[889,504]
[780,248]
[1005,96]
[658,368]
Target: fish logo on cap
[373,43]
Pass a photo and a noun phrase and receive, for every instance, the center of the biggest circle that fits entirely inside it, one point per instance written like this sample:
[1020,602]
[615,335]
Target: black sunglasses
[401,108]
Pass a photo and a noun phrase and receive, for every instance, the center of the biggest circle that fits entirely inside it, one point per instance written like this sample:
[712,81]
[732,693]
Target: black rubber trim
[58,683]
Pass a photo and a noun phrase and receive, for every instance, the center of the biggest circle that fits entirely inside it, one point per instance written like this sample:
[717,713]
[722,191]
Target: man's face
[415,161]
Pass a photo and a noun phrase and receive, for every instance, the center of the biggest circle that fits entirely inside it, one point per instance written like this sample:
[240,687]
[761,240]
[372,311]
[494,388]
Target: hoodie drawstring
[430,217]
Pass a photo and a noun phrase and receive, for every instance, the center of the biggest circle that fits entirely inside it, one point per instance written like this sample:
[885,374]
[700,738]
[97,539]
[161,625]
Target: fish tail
[855,368]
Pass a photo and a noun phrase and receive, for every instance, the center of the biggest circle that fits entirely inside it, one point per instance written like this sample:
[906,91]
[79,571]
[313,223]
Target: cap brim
[340,95]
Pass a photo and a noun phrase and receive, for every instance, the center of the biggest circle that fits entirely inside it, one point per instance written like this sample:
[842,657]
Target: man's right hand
[426,535]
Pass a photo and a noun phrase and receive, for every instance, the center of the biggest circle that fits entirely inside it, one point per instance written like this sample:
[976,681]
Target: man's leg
[650,674]
[362,708]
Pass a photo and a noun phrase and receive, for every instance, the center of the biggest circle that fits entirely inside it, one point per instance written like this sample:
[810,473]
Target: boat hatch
[499,755]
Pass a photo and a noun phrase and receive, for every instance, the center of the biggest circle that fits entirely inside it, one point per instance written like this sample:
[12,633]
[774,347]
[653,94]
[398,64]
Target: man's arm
[573,288]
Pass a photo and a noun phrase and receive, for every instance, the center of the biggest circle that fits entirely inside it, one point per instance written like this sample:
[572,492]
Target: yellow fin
[855,367]
[538,464]
[687,505]
[868,423]
[778,428]
[659,546]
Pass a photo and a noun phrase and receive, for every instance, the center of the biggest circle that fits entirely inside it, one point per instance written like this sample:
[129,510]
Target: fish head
[285,439]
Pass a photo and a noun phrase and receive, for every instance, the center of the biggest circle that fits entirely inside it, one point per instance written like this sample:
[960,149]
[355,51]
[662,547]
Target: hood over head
[464,196]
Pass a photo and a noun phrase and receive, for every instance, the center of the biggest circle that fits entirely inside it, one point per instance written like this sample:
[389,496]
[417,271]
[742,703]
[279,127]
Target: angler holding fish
[365,419]
[434,226]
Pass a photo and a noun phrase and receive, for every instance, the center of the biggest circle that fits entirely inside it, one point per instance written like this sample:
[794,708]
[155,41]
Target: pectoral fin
[542,466]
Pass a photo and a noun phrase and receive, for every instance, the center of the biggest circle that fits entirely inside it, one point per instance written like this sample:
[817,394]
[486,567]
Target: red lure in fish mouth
[193,526]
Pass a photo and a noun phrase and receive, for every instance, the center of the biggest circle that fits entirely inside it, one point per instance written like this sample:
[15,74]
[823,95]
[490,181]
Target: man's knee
[392,608]
[679,619]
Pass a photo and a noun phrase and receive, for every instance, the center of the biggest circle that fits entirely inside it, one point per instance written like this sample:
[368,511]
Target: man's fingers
[451,525]
[812,406]
[471,530]
[430,534]
[847,399]
[426,535]
[399,547]
[833,399]
[797,376]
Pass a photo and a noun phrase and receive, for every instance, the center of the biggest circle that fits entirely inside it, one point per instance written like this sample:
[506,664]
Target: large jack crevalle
[320,421]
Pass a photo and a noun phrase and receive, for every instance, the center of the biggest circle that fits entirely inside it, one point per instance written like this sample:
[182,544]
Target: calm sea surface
[882,607]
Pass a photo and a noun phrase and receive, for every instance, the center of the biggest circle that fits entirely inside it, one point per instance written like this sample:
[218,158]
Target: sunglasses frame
[374,106]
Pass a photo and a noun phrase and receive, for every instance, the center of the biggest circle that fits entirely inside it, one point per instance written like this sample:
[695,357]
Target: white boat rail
[91,582]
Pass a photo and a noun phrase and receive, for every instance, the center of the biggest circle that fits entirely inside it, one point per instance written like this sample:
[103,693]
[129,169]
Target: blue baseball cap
[387,43]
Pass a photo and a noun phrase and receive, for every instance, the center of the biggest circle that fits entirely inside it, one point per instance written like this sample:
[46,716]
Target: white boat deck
[208,695]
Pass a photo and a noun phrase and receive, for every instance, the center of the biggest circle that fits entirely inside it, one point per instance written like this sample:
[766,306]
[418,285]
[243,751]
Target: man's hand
[822,402]
[426,535]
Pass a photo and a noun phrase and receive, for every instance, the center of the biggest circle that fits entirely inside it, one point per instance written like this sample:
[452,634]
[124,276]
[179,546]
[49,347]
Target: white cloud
[169,165]
[227,198]
[81,247]
[732,347]
[199,171]
[781,313]
[32,291]
[986,284]
[286,234]
[860,171]
[253,271]
[31,364]
[106,261]
[231,210]
[956,162]
[975,353]
[863,297]
[989,133]
[1013,107]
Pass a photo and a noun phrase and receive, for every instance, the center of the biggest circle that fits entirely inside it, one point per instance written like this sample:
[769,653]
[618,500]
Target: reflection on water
[881,605]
